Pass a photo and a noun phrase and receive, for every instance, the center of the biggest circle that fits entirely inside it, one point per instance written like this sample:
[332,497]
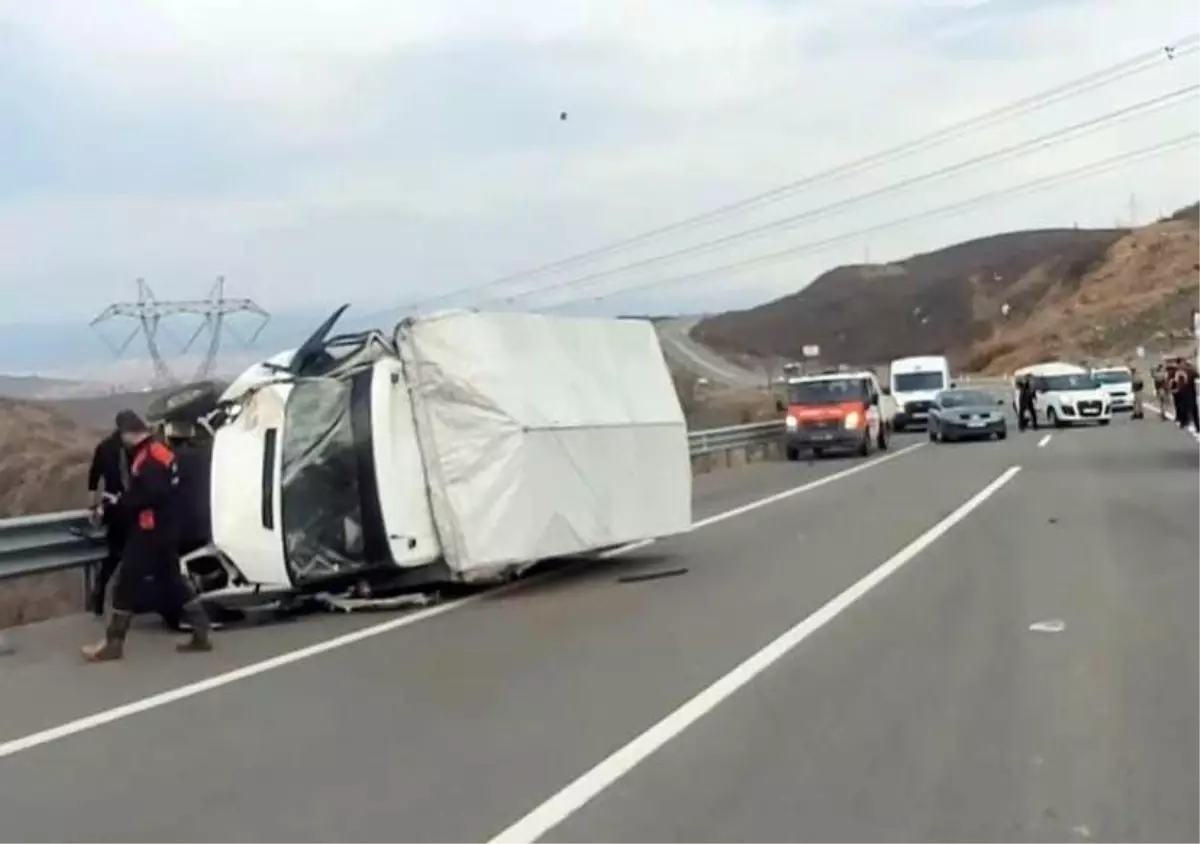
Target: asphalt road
[702,361]
[849,661]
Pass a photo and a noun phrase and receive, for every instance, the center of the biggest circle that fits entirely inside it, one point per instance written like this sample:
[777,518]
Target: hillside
[44,457]
[938,301]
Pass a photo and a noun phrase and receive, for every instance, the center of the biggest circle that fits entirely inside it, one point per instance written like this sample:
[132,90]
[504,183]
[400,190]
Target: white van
[1066,394]
[1117,381]
[914,384]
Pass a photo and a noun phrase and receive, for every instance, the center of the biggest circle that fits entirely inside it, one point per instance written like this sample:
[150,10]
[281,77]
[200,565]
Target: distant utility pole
[149,312]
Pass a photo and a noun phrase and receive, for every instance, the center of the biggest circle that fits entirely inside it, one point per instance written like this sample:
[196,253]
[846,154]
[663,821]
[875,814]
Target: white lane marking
[1042,442]
[1170,414]
[574,796]
[107,716]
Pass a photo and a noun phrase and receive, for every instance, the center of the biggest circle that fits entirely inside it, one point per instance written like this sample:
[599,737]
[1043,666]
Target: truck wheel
[185,404]
[792,453]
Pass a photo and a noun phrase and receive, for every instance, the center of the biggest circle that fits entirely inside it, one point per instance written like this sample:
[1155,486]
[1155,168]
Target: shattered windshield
[320,484]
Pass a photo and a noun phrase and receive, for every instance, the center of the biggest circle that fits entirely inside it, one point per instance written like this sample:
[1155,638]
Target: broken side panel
[545,436]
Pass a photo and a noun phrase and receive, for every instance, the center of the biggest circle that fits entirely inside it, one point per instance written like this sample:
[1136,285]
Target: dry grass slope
[44,456]
[1091,293]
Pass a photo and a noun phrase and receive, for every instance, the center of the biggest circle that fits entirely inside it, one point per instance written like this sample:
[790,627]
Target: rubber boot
[113,646]
[197,618]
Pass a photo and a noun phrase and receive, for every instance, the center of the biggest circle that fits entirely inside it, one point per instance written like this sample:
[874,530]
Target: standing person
[151,557]
[1189,395]
[1138,386]
[1027,404]
[108,478]
[1177,383]
[1161,392]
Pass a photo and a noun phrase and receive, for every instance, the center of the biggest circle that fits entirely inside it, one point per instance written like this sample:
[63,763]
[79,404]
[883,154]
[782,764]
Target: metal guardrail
[47,543]
[735,436]
[53,542]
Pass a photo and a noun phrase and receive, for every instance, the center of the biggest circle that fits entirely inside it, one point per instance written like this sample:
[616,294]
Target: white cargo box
[544,436]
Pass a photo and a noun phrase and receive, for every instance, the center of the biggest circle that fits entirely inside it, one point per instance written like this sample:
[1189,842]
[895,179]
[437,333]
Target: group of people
[134,482]
[1175,386]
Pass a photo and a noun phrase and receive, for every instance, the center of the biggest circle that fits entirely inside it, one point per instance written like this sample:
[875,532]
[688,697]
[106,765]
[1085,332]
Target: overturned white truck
[464,448]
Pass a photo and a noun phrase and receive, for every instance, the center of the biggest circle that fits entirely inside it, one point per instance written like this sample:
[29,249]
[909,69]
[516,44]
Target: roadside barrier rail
[51,542]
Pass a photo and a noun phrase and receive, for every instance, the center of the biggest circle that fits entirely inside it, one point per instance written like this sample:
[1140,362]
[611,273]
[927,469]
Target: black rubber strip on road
[651,575]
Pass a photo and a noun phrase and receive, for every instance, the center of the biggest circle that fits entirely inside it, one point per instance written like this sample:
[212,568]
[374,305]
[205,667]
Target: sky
[386,152]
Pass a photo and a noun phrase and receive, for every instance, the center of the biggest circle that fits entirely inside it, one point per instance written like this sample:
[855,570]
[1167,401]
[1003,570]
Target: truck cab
[915,383]
[834,411]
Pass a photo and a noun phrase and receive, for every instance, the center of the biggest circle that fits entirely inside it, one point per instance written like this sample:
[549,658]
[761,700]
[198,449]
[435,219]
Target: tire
[792,453]
[882,442]
[933,435]
[1052,416]
[1002,434]
[864,448]
[1104,422]
[185,404]
[898,427]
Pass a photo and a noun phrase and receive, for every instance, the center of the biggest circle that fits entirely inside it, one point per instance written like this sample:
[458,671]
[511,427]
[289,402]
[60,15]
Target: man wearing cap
[150,561]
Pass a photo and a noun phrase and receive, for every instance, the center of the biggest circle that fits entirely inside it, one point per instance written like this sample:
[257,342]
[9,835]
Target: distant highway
[701,361]
[994,641]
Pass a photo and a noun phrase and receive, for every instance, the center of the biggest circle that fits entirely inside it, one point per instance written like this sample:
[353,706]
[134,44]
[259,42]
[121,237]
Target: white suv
[1117,382]
[1072,398]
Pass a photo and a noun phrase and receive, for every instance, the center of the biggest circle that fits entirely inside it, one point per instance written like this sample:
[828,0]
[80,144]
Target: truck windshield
[913,382]
[320,497]
[827,391]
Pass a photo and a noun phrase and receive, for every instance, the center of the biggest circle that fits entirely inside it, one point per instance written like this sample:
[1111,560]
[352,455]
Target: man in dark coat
[1027,403]
[149,570]
[108,478]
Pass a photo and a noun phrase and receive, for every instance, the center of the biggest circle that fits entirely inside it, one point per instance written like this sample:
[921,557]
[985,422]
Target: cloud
[381,151]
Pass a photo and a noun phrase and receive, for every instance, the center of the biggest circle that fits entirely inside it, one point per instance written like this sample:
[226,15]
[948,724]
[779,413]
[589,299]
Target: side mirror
[780,407]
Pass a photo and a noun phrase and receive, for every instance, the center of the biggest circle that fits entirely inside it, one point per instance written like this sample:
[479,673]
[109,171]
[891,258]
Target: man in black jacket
[108,478]
[150,563]
[1027,403]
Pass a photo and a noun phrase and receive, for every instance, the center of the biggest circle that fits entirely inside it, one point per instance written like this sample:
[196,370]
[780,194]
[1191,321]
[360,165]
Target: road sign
[811,351]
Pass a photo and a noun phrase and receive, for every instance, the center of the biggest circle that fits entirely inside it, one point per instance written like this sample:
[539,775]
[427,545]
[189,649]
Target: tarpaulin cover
[545,436]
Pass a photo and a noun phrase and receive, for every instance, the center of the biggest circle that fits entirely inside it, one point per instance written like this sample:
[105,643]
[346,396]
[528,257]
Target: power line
[1041,183]
[1022,148]
[1075,87]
